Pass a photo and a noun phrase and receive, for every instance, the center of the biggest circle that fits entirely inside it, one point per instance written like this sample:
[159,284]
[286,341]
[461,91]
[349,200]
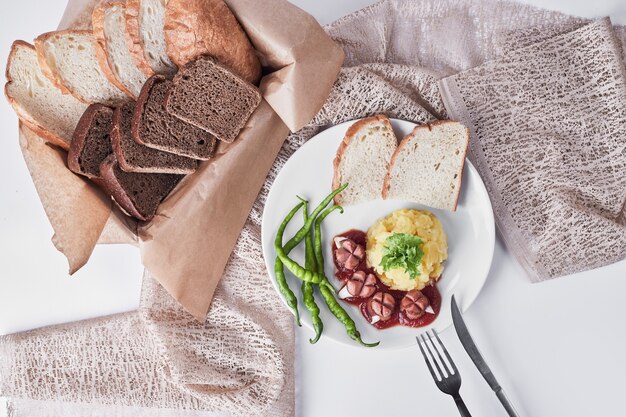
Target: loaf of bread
[91,143]
[362,159]
[39,103]
[211,97]
[145,20]
[428,165]
[137,194]
[116,62]
[154,127]
[208,27]
[134,157]
[68,58]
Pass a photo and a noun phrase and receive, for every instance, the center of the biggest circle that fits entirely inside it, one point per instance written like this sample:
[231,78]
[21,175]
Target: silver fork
[447,380]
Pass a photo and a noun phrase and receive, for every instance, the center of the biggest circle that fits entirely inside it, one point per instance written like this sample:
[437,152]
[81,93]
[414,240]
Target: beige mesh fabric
[360,92]
[158,361]
[548,131]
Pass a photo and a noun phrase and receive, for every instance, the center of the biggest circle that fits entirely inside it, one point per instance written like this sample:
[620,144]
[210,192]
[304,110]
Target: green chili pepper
[343,317]
[329,298]
[279,270]
[309,254]
[294,267]
[299,271]
[319,252]
[306,228]
[307,288]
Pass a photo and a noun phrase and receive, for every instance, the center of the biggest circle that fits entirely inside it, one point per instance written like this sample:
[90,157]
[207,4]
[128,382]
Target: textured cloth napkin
[159,361]
[548,135]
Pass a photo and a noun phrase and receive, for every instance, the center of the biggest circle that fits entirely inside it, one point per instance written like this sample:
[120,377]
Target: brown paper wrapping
[207,212]
[77,210]
[188,243]
[291,41]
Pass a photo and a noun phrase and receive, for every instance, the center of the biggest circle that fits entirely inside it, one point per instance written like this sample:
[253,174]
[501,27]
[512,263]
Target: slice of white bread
[428,165]
[37,101]
[145,20]
[363,159]
[109,29]
[133,38]
[68,59]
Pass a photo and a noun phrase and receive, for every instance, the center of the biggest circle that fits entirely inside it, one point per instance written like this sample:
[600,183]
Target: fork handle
[461,406]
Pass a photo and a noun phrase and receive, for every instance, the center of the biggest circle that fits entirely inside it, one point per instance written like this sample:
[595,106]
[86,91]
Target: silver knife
[474,353]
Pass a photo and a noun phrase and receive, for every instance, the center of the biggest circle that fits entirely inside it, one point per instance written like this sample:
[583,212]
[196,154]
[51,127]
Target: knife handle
[461,406]
[506,403]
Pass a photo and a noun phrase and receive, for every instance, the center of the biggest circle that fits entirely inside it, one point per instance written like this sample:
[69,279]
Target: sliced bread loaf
[69,60]
[136,193]
[133,157]
[208,27]
[211,97]
[144,25]
[91,143]
[428,165]
[156,128]
[116,62]
[37,101]
[363,159]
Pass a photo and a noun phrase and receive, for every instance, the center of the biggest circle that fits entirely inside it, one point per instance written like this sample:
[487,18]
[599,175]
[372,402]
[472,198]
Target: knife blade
[477,358]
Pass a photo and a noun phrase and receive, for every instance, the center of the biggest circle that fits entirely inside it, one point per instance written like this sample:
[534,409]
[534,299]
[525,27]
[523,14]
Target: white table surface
[556,347]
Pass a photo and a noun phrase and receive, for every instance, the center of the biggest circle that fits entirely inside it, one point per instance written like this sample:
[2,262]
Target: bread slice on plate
[91,143]
[116,62]
[146,37]
[37,101]
[363,159]
[156,128]
[208,27]
[133,157]
[211,97]
[428,165]
[137,194]
[69,60]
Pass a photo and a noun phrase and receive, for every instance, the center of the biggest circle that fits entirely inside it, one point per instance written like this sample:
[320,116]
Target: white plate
[470,230]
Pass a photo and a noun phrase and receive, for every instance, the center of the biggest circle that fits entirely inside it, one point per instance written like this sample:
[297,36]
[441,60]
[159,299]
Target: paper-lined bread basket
[188,243]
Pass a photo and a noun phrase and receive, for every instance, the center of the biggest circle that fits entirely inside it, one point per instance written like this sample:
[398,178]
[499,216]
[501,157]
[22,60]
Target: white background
[557,347]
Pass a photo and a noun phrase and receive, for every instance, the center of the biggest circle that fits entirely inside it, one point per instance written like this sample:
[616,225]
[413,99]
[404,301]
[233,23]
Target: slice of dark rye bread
[91,142]
[138,194]
[154,127]
[133,157]
[212,98]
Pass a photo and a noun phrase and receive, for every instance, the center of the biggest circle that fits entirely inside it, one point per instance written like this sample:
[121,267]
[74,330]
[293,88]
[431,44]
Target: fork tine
[445,351]
[432,355]
[430,367]
[443,364]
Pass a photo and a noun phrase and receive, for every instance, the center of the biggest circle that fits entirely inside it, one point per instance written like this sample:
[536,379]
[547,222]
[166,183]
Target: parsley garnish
[403,251]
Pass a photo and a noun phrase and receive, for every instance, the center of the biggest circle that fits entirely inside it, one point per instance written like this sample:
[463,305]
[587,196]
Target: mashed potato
[414,222]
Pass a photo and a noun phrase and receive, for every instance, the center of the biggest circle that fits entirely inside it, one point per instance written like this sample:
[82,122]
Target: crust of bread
[47,71]
[97,19]
[113,187]
[79,137]
[404,141]
[24,117]
[141,105]
[458,191]
[216,33]
[347,139]
[133,38]
[46,135]
[116,140]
